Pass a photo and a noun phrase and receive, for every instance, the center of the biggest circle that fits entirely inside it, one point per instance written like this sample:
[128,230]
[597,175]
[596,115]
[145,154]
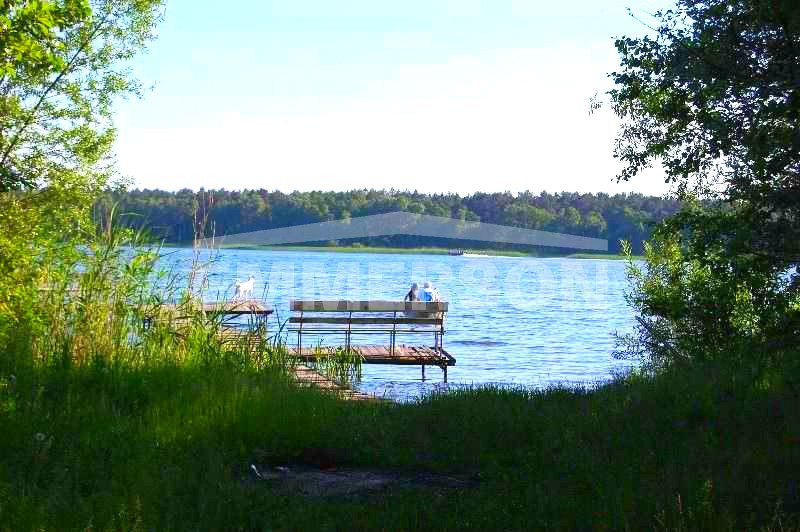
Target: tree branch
[67,68]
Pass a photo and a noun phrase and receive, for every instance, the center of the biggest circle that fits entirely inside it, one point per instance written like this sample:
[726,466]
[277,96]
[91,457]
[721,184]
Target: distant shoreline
[603,256]
[417,251]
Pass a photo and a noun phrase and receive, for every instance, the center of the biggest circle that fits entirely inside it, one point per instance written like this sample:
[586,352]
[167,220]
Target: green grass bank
[371,249]
[167,446]
[603,256]
[418,251]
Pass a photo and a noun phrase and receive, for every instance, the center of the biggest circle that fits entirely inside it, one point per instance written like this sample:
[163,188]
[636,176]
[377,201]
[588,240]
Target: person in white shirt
[429,293]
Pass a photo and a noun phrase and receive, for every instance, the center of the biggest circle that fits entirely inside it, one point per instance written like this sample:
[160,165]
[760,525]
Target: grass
[352,249]
[425,251]
[168,446]
[339,364]
[408,251]
[383,250]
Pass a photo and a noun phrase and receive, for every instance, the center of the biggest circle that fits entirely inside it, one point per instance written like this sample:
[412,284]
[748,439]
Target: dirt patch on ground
[315,482]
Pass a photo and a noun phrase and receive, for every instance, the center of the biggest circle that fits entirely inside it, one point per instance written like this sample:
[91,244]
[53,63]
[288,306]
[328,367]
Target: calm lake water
[512,321]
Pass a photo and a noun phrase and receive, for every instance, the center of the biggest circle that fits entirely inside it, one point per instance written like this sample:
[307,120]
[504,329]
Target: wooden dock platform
[408,355]
[231,308]
[403,355]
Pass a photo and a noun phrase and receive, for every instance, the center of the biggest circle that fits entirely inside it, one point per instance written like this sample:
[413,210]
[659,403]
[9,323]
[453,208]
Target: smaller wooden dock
[179,314]
[229,308]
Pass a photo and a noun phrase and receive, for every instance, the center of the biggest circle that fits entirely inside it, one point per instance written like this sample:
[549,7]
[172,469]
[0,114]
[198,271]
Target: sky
[429,95]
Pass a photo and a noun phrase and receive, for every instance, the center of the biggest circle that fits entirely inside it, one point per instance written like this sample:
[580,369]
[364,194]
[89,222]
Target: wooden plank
[303,305]
[305,376]
[366,321]
[250,306]
[341,329]
[404,355]
[247,306]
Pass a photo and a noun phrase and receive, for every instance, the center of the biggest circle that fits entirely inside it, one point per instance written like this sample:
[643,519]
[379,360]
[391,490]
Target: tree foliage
[62,65]
[697,303]
[171,214]
[714,96]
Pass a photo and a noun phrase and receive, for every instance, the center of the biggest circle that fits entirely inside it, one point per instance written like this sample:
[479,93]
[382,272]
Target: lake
[512,321]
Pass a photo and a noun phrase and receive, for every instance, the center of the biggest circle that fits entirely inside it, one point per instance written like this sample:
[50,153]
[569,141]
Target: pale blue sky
[438,95]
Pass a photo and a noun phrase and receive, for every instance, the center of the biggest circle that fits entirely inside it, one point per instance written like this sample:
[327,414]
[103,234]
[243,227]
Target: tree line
[177,216]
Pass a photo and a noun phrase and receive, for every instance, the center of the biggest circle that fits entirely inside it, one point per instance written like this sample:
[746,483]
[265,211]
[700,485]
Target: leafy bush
[702,298]
[709,96]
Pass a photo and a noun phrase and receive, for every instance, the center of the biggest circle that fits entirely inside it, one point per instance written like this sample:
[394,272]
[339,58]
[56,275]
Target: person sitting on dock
[412,294]
[429,293]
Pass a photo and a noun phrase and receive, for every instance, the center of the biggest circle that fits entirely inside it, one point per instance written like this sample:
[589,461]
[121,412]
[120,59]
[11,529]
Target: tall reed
[112,301]
[340,364]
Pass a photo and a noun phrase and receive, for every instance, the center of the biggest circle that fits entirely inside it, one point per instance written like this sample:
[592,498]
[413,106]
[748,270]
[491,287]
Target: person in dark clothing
[412,294]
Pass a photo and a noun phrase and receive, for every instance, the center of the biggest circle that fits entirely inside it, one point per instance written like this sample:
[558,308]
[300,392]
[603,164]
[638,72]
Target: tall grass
[113,303]
[169,447]
[340,364]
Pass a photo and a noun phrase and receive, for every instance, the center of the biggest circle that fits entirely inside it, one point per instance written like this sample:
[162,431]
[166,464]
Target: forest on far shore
[177,216]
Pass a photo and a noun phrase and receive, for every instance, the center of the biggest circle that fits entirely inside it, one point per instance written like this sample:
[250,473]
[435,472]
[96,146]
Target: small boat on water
[455,252]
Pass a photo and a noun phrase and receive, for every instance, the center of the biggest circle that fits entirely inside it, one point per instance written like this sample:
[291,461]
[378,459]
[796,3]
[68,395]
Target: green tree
[62,64]
[525,215]
[596,224]
[170,214]
[714,98]
[60,71]
[572,217]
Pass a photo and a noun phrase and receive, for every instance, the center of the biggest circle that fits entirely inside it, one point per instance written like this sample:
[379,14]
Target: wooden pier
[402,355]
[356,318]
[317,318]
[252,307]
